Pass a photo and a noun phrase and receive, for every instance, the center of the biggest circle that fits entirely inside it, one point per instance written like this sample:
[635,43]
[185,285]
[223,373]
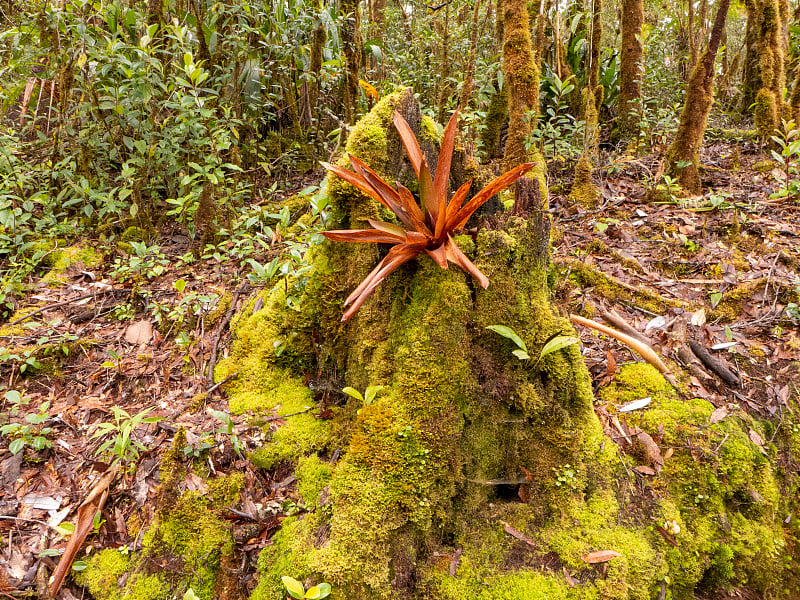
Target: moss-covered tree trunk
[467,472]
[352,49]
[522,73]
[583,191]
[682,159]
[630,75]
[764,74]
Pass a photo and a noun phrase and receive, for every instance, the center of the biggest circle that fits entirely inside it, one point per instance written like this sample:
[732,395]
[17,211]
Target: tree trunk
[466,88]
[764,76]
[522,75]
[630,76]
[352,47]
[682,159]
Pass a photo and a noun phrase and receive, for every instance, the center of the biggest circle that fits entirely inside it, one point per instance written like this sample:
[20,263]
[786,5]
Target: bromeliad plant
[428,229]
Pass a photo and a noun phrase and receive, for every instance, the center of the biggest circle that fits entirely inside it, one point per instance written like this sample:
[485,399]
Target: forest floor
[718,271]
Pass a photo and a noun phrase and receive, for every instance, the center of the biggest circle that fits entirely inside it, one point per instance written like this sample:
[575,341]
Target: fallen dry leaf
[645,470]
[600,556]
[139,333]
[718,415]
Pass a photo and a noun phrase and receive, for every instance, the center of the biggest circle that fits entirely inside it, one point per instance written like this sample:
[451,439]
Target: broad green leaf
[521,354]
[16,446]
[13,396]
[371,392]
[190,595]
[557,343]
[509,333]
[294,587]
[353,393]
[324,590]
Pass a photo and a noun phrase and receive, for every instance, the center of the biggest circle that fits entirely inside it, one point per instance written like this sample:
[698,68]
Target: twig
[643,350]
[713,364]
[65,302]
[620,323]
[294,414]
[212,361]
[4,518]
[214,387]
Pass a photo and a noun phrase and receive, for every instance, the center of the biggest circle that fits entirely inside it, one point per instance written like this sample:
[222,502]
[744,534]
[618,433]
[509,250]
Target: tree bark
[352,47]
[764,75]
[522,76]
[630,77]
[685,148]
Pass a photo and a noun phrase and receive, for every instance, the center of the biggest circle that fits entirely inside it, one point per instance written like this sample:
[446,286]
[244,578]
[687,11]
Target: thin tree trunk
[352,46]
[466,88]
[630,79]
[699,99]
[522,79]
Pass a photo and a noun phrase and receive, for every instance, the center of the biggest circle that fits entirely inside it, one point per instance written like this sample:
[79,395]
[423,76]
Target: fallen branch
[645,351]
[65,302]
[212,361]
[714,365]
[84,521]
[620,323]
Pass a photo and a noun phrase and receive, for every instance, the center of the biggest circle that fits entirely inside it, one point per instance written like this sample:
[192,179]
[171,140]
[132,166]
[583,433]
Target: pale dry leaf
[645,470]
[718,415]
[139,333]
[600,556]
[699,318]
[755,438]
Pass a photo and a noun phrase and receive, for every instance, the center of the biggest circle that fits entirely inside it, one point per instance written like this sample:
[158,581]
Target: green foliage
[369,395]
[297,590]
[558,134]
[29,432]
[787,139]
[120,440]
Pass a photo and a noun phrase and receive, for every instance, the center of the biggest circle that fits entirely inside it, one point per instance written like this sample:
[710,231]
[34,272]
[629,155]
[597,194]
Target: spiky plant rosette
[426,229]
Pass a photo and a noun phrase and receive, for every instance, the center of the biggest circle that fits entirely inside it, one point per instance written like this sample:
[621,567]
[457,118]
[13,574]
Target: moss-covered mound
[474,474]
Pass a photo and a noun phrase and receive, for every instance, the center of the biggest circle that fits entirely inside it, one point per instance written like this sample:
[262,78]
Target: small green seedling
[522,348]
[296,589]
[369,395]
[553,344]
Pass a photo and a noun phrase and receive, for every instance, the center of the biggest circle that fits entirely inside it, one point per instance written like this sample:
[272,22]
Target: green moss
[133,234]
[288,554]
[225,491]
[717,487]
[61,260]
[195,534]
[636,381]
[583,192]
[612,288]
[104,572]
[213,316]
[312,476]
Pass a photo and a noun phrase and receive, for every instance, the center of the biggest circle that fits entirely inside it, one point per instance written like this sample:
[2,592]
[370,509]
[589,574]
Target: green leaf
[190,595]
[318,592]
[509,333]
[556,344]
[13,396]
[16,446]
[353,393]
[294,587]
[521,354]
[371,392]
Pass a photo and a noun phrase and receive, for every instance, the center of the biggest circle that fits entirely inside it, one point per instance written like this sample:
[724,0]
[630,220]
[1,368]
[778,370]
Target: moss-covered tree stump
[473,474]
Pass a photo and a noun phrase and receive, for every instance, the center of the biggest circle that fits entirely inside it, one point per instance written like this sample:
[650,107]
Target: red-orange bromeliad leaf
[426,230]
